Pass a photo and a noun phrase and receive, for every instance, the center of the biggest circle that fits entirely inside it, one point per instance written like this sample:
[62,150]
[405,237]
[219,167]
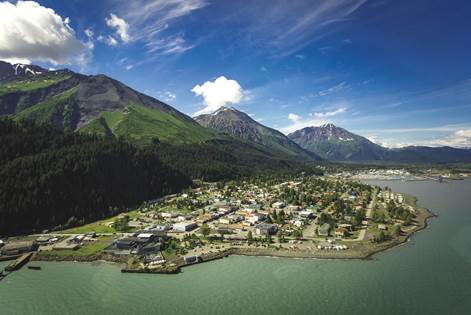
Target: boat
[34,267]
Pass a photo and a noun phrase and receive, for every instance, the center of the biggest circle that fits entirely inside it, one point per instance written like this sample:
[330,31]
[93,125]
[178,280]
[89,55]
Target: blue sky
[398,72]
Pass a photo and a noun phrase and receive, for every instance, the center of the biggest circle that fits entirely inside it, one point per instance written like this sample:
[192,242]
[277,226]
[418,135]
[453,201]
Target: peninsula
[294,216]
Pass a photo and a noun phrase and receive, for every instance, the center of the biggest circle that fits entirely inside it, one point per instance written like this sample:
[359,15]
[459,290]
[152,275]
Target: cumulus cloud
[120,26]
[218,93]
[29,31]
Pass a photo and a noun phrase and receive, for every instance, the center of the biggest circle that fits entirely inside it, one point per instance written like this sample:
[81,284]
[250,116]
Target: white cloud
[294,117]
[312,119]
[111,41]
[89,33]
[168,46]
[463,133]
[449,135]
[218,93]
[334,89]
[298,122]
[120,25]
[108,40]
[16,60]
[152,20]
[329,114]
[29,31]
[167,96]
[285,29]
[461,138]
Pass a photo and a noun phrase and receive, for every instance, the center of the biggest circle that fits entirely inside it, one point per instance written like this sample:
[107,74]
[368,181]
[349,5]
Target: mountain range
[337,144]
[241,125]
[98,104]
[76,148]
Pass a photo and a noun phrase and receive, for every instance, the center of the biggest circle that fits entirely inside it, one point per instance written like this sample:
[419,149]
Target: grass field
[90,248]
[99,226]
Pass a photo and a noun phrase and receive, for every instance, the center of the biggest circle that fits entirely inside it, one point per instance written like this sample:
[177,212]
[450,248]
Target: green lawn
[99,226]
[90,248]
[375,231]
[174,209]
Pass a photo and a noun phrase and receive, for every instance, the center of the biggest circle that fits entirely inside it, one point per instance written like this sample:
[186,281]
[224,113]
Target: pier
[19,262]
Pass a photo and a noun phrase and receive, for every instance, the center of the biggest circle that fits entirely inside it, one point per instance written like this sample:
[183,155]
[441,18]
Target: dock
[19,262]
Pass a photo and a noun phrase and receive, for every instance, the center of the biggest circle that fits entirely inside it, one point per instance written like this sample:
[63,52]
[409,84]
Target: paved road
[369,213]
[369,210]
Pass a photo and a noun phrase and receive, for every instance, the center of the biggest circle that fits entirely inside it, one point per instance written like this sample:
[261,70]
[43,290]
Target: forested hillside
[52,179]
[228,159]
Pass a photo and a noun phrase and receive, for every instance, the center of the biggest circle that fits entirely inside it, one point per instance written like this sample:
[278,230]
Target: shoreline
[361,251]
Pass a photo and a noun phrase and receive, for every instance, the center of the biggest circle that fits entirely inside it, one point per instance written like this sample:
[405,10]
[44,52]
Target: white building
[254,218]
[278,205]
[184,226]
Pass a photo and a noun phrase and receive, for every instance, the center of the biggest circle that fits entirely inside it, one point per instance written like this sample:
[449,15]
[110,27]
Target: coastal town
[303,216]
[401,174]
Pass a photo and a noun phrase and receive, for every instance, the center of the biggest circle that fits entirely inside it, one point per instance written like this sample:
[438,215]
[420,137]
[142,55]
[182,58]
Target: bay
[430,274]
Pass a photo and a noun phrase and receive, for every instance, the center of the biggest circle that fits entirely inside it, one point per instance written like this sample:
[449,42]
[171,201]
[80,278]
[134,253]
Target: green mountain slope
[240,125]
[142,125]
[99,105]
[58,110]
